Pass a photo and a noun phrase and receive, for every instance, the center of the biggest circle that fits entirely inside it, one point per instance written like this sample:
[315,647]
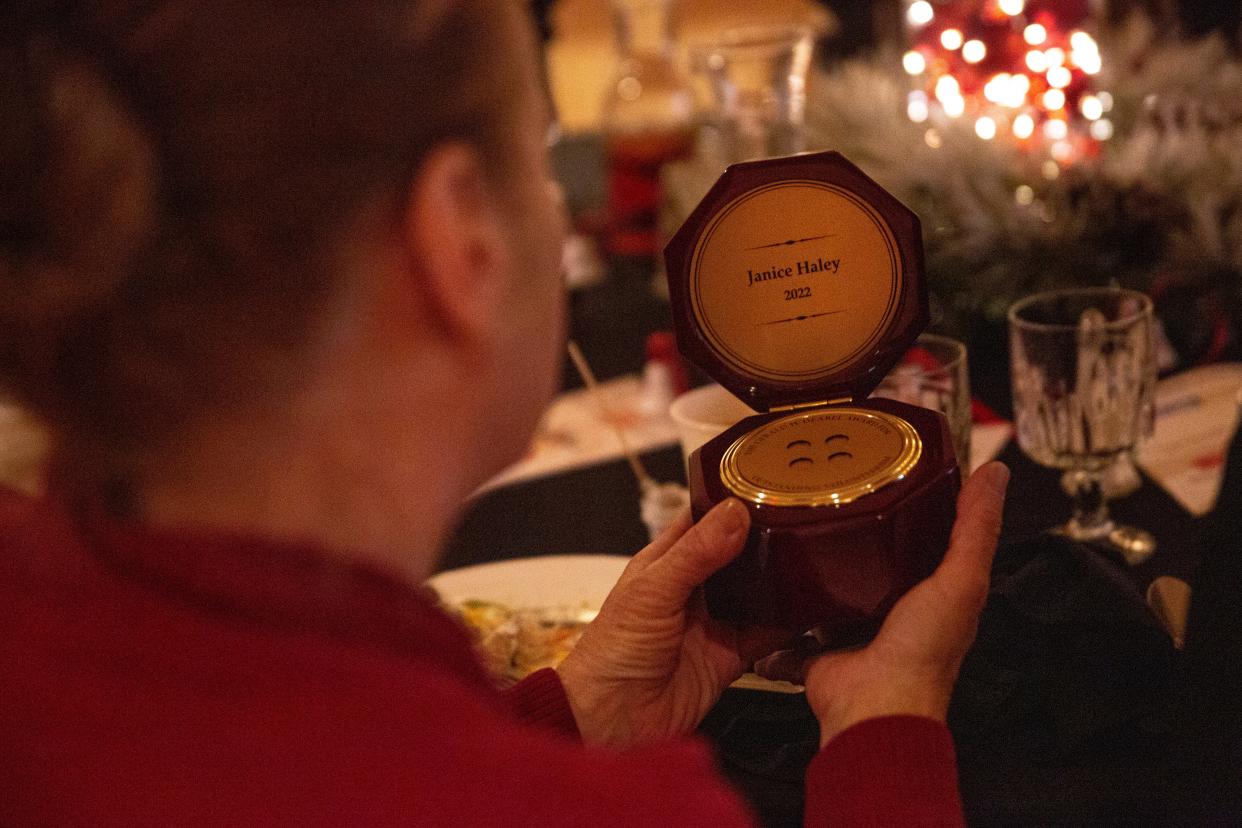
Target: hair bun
[78,177]
[19,19]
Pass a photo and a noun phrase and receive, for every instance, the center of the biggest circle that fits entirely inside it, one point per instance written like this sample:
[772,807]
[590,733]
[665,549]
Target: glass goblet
[933,374]
[1083,374]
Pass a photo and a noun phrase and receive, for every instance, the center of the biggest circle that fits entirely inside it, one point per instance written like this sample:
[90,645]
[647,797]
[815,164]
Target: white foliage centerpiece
[1149,196]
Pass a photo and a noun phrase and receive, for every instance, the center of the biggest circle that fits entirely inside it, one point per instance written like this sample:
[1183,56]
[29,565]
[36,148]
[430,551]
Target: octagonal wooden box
[797,284]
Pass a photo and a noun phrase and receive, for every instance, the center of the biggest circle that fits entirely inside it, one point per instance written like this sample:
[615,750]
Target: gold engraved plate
[796,280]
[821,458]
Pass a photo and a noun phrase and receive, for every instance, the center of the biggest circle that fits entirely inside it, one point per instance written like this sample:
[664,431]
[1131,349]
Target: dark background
[864,23]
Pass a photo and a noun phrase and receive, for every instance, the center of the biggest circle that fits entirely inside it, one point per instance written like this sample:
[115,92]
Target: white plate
[574,584]
[577,584]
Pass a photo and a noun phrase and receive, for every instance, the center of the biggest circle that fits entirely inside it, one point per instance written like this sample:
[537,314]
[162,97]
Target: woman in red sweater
[281,279]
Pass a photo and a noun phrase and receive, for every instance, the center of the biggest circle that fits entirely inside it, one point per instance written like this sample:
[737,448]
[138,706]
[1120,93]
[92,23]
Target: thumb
[705,548]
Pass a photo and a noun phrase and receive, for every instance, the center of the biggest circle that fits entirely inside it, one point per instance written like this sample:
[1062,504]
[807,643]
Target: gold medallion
[795,280]
[828,457]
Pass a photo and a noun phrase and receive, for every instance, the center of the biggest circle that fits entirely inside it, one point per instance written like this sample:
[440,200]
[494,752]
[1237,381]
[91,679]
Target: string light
[1056,129]
[947,87]
[997,89]
[920,13]
[917,107]
[1091,107]
[1090,62]
[1085,53]
[974,51]
[1019,85]
[1036,89]
[1059,77]
[949,93]
[1082,42]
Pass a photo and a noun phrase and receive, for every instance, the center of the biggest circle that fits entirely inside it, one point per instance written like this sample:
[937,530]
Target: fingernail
[732,517]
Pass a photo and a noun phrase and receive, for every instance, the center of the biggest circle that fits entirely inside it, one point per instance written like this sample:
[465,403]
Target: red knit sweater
[166,678]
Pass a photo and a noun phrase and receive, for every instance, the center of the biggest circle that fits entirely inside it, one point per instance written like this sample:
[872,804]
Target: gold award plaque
[827,457]
[793,281]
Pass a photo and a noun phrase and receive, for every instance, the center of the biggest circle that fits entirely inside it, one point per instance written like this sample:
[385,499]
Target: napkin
[1068,658]
[1196,413]
[1214,635]
[1211,707]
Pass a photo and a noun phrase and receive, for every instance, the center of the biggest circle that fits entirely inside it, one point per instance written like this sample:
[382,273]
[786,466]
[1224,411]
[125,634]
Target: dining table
[765,739]
[1073,707]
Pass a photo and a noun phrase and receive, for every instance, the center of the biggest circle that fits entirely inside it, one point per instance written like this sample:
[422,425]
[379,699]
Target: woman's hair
[175,177]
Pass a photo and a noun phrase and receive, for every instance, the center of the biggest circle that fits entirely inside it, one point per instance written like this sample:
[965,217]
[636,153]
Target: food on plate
[515,642]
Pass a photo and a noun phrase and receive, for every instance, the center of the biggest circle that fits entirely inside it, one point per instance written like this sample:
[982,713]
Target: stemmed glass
[758,79]
[1083,376]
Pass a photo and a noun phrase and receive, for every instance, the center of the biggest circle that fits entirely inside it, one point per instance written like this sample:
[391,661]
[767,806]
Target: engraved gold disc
[826,457]
[795,281]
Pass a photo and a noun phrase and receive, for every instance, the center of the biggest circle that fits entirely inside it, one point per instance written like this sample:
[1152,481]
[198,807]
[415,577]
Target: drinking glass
[648,119]
[758,79]
[1083,377]
[933,374]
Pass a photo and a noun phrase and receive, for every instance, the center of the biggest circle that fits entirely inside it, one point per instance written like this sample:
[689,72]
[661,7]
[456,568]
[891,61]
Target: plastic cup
[934,375]
[702,413]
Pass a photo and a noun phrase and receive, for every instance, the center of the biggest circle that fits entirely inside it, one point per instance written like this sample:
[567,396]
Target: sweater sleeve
[539,699]
[892,770]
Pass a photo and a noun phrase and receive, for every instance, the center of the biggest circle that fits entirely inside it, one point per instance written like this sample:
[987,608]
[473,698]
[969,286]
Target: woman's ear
[454,234]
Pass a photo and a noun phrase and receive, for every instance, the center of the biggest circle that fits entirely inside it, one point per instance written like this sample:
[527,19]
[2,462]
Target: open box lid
[797,281]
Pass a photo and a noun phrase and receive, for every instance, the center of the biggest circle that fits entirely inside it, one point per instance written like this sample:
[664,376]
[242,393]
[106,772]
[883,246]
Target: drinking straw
[645,480]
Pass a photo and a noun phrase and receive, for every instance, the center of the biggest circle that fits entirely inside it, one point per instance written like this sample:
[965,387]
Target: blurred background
[582,53]
[1043,143]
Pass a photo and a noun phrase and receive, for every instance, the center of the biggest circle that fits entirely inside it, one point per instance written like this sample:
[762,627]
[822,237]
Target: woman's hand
[653,663]
[911,665]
